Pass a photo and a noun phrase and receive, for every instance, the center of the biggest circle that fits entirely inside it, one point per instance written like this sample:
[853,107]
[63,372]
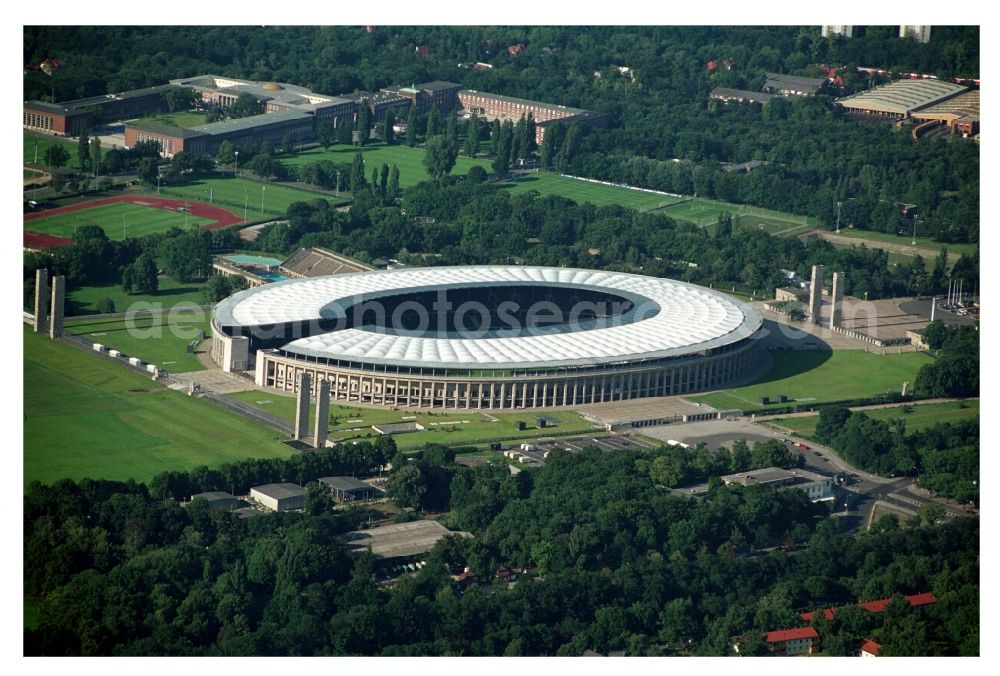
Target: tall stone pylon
[58,301]
[837,294]
[302,408]
[322,414]
[41,300]
[816,294]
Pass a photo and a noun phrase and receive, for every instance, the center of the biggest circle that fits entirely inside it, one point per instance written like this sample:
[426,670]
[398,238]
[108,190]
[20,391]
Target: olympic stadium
[487,337]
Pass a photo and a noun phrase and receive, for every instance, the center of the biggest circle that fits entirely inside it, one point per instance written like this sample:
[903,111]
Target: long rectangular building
[69,118]
[499,107]
[900,99]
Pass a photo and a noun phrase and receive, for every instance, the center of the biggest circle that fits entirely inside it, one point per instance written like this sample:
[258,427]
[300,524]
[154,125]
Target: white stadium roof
[689,319]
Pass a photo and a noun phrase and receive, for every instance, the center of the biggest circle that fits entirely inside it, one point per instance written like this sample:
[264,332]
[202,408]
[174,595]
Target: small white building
[279,497]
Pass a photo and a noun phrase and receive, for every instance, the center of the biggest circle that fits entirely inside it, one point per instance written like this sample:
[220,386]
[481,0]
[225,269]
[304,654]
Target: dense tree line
[945,457]
[618,564]
[955,371]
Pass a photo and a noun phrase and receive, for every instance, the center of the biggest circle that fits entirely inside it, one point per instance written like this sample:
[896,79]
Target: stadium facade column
[816,294]
[322,414]
[302,408]
[837,296]
[58,301]
[41,300]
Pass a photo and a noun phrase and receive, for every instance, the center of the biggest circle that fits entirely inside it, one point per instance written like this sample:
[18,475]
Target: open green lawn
[917,416]
[118,220]
[409,160]
[237,193]
[86,417]
[583,191]
[185,119]
[83,300]
[906,240]
[160,340]
[814,376]
[703,212]
[44,142]
[465,427]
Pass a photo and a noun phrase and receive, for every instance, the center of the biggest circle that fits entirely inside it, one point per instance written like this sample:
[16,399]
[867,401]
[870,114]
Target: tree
[364,124]
[95,154]
[105,306]
[519,144]
[245,105]
[407,486]
[83,151]
[56,156]
[472,136]
[440,156]
[433,123]
[505,140]
[226,153]
[345,131]
[392,189]
[179,98]
[319,499]
[411,126]
[141,277]
[387,133]
[325,135]
[148,170]
[357,173]
[831,422]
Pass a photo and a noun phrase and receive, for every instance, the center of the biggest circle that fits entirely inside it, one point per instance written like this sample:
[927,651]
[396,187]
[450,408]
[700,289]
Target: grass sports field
[237,193]
[86,417]
[84,300]
[185,119]
[704,212]
[916,416]
[816,376]
[466,427]
[584,191]
[409,160]
[922,242]
[160,340]
[132,220]
[43,142]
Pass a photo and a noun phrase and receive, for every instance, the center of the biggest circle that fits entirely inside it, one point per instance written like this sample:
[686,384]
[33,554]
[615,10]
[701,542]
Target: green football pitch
[409,160]
[809,377]
[584,191]
[242,196]
[117,220]
[706,212]
[160,340]
[86,417]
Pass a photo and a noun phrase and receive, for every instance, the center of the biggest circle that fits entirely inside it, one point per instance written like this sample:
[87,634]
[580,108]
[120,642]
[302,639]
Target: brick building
[498,107]
[792,641]
[69,118]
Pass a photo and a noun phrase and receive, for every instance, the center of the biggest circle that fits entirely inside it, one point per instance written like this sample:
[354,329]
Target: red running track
[221,218]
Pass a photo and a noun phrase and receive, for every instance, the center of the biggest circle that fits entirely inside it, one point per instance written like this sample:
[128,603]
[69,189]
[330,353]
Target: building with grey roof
[792,85]
[399,540]
[899,99]
[280,497]
[741,95]
[69,118]
[817,487]
[218,499]
[348,488]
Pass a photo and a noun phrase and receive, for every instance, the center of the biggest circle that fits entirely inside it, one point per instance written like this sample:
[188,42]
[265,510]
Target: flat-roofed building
[348,488]
[498,107]
[900,99]
[792,85]
[817,487]
[218,500]
[280,497]
[740,95]
[399,540]
[69,118]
